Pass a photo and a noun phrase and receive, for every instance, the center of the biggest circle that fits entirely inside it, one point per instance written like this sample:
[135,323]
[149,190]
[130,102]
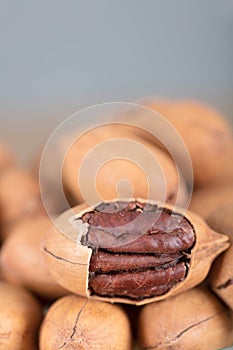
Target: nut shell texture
[21,315]
[87,325]
[195,319]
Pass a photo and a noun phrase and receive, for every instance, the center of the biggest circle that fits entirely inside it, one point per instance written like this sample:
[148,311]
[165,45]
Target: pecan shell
[131,251]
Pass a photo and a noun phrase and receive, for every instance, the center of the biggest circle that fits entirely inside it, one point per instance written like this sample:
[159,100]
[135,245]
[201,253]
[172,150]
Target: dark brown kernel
[143,283]
[107,262]
[139,250]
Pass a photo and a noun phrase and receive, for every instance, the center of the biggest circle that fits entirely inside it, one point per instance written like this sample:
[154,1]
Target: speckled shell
[68,260]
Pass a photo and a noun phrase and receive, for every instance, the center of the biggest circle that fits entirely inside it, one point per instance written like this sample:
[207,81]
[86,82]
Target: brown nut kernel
[195,319]
[87,325]
[221,273]
[21,260]
[114,170]
[21,315]
[130,251]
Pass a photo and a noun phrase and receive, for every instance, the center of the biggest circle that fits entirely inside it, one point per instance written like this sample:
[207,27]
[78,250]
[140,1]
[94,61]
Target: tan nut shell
[114,170]
[205,131]
[19,196]
[206,200]
[68,260]
[21,260]
[21,315]
[78,323]
[195,319]
[6,157]
[221,273]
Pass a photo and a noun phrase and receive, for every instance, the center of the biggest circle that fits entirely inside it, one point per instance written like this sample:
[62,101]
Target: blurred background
[59,56]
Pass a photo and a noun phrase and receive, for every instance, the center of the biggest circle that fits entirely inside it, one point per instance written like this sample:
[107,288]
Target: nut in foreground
[88,325]
[130,251]
[195,319]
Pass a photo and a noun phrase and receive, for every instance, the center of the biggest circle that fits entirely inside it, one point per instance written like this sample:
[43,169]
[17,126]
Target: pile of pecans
[128,272]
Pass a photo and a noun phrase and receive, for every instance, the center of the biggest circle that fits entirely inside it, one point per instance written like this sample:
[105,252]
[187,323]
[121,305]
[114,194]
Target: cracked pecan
[195,319]
[87,326]
[131,251]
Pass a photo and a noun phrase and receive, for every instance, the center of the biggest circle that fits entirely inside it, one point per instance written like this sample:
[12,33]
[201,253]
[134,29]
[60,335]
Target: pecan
[87,326]
[221,274]
[195,319]
[131,251]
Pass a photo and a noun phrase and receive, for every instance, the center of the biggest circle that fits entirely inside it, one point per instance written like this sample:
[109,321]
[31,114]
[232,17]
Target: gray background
[59,56]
